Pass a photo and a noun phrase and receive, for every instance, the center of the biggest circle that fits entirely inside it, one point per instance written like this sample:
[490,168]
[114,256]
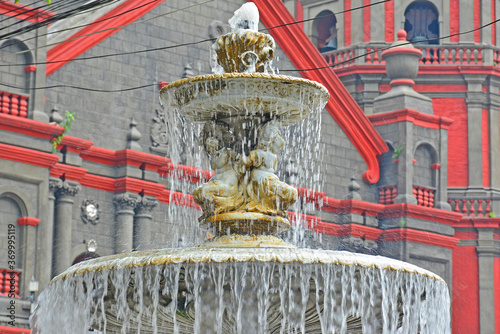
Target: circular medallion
[90,212]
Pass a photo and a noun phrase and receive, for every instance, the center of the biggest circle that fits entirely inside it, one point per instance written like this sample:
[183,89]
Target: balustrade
[13,104]
[424,196]
[431,55]
[471,207]
[387,194]
[9,282]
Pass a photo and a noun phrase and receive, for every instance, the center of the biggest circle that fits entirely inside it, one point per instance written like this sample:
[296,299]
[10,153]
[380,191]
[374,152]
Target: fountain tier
[246,290]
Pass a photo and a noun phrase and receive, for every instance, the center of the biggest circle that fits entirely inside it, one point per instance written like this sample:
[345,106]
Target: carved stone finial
[133,137]
[188,71]
[55,117]
[354,188]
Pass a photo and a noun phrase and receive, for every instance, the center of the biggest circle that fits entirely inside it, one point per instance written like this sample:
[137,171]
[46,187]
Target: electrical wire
[146,50]
[205,40]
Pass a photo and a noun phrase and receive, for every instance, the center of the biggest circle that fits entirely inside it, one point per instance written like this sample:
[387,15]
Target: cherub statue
[266,193]
[223,192]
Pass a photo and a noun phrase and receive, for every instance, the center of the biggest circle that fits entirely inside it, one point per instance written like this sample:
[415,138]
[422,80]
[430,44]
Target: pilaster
[63,224]
[143,220]
[475,100]
[37,99]
[466,21]
[405,165]
[46,233]
[125,204]
[486,252]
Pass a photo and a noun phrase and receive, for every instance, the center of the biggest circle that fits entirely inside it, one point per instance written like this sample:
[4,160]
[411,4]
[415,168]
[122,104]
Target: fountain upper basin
[249,95]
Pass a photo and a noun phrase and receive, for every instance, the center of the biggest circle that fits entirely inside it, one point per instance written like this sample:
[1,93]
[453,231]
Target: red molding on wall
[420,212]
[341,105]
[29,127]
[22,221]
[366,21]
[24,13]
[454,20]
[478,223]
[27,156]
[389,21]
[94,33]
[414,116]
[14,330]
[68,172]
[347,23]
[420,237]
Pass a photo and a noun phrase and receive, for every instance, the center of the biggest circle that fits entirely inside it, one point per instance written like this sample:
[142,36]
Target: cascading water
[245,279]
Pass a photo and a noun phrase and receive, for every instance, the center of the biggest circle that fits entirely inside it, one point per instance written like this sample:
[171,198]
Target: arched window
[17,54]
[421,22]
[325,28]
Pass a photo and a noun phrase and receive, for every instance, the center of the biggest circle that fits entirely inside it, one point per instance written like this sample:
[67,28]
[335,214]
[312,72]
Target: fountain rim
[198,255]
[235,75]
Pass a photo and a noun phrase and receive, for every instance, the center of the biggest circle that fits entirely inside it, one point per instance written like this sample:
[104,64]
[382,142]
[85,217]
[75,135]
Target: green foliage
[402,223]
[70,118]
[491,214]
[397,152]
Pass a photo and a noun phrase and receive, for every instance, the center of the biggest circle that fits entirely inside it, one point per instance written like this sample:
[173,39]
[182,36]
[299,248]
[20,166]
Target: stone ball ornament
[90,212]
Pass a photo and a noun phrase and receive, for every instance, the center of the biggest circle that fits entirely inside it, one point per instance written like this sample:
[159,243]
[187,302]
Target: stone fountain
[245,279]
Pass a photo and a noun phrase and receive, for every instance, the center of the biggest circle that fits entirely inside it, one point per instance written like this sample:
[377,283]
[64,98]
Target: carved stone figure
[266,193]
[224,192]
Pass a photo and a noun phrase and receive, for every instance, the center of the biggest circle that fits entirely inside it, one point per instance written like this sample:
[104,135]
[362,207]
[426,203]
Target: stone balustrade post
[63,224]
[125,204]
[142,224]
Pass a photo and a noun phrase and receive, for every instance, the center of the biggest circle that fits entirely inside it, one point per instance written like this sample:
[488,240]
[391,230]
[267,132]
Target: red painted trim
[27,156]
[485,147]
[420,212]
[28,221]
[478,223]
[401,51]
[138,186]
[494,42]
[185,173]
[347,23]
[435,166]
[75,144]
[311,196]
[29,127]
[366,21]
[477,20]
[389,21]
[496,278]
[30,68]
[162,84]
[458,153]
[24,13]
[89,36]
[68,172]
[429,88]
[455,20]
[420,237]
[464,235]
[414,116]
[349,230]
[14,330]
[299,16]
[465,292]
[341,105]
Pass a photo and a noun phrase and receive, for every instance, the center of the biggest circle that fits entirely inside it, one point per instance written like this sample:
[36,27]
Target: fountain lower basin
[246,290]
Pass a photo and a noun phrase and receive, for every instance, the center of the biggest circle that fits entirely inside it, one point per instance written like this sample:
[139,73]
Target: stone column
[142,224]
[486,253]
[125,203]
[63,225]
[46,232]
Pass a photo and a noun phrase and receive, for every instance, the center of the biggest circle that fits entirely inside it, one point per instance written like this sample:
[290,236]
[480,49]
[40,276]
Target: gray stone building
[398,165]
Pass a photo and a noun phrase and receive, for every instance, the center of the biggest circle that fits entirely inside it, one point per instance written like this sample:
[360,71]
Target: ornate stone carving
[133,136]
[55,184]
[126,201]
[89,212]
[159,136]
[68,189]
[146,205]
[216,28]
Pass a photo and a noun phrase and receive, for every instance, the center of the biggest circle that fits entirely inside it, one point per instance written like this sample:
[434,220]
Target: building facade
[409,170]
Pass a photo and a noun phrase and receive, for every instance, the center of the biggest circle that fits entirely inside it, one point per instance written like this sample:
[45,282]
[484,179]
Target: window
[421,22]
[325,28]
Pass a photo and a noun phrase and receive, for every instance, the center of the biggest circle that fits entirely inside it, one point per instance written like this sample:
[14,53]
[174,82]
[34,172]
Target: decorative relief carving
[126,201]
[90,212]
[146,205]
[55,184]
[68,189]
[159,136]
